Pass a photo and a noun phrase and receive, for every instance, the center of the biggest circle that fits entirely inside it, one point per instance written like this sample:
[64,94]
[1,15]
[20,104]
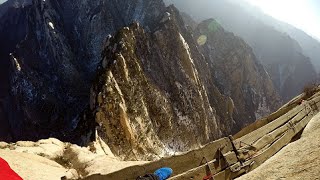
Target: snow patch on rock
[18,67]
[263,109]
[186,46]
[51,25]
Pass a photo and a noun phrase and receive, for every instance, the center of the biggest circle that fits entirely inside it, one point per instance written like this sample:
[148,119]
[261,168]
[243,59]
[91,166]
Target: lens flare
[213,26]
[202,40]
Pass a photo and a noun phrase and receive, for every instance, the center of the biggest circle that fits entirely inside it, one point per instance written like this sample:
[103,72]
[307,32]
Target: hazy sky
[304,14]
[1,1]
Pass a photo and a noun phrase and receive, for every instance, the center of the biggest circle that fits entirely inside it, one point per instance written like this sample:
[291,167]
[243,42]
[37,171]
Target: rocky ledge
[51,159]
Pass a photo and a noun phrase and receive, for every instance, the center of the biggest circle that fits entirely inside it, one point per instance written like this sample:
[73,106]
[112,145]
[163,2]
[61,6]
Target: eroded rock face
[155,92]
[144,98]
[51,57]
[13,4]
[14,18]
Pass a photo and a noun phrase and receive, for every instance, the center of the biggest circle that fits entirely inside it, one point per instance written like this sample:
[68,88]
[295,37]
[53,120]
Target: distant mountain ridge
[282,56]
[310,45]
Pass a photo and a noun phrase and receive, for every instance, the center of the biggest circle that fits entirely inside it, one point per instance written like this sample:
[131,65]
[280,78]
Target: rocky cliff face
[154,89]
[148,97]
[54,54]
[158,89]
[13,20]
[7,5]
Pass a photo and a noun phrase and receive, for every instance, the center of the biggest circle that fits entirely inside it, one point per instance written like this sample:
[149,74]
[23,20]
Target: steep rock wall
[51,57]
[155,92]
[148,97]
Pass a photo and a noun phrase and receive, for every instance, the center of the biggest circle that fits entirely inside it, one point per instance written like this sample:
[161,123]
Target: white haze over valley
[303,14]
[296,18]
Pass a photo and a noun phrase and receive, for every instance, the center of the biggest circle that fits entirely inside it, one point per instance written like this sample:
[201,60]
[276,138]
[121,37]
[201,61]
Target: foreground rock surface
[298,160]
[30,166]
[52,159]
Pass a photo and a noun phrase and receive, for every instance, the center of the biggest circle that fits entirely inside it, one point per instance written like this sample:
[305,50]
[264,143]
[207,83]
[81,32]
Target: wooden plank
[315,98]
[235,171]
[200,172]
[261,122]
[281,142]
[295,100]
[270,137]
[255,135]
[229,174]
[317,104]
[179,163]
[265,154]
[315,95]
[302,118]
[280,112]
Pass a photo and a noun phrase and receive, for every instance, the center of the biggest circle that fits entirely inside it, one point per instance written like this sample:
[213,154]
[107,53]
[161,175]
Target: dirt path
[298,160]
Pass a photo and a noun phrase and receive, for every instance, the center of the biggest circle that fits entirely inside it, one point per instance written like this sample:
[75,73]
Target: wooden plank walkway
[180,163]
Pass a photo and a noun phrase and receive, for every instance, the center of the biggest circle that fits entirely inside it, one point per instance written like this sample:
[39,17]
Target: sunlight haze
[303,14]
